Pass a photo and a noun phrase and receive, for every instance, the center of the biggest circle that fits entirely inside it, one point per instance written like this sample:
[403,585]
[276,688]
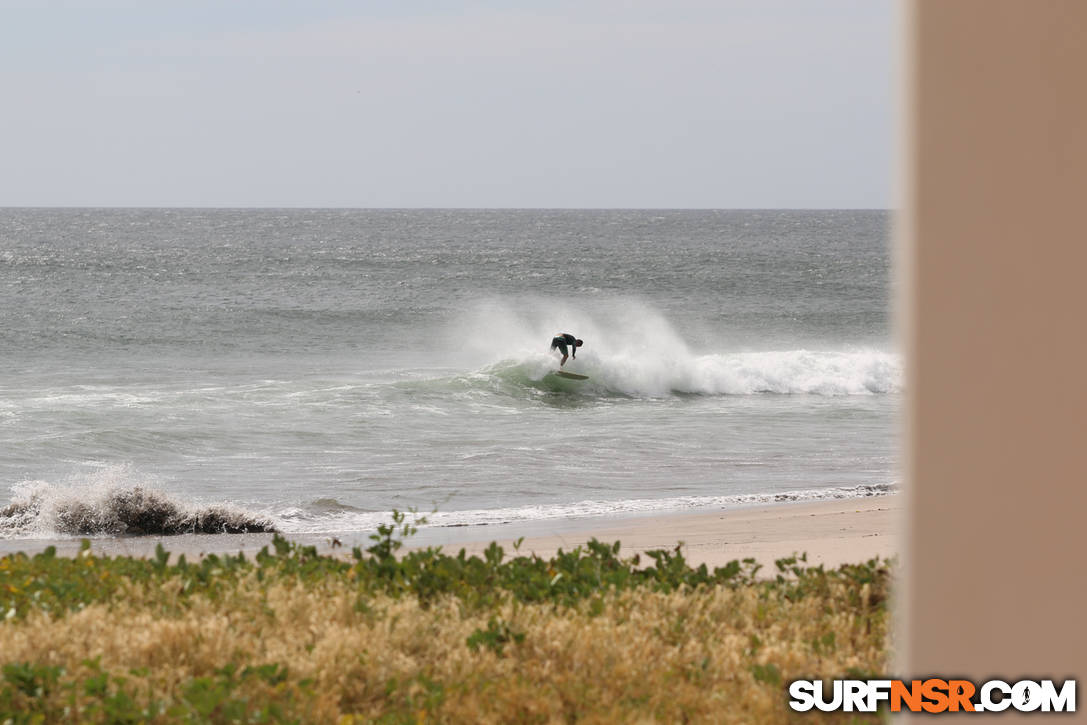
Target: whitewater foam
[104,509]
[632,349]
[328,519]
[789,372]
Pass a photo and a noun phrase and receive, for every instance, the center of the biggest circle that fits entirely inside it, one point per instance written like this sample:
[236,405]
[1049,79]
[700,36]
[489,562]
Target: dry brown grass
[715,655]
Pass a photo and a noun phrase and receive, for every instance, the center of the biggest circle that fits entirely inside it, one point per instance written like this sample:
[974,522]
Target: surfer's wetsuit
[563,340]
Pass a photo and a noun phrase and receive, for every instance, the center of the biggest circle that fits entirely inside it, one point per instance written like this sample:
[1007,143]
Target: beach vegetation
[390,634]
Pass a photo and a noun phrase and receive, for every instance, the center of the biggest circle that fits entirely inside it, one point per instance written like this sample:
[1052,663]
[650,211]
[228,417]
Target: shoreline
[830,532]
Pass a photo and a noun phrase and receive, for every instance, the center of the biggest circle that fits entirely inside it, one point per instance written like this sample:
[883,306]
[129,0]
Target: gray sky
[390,103]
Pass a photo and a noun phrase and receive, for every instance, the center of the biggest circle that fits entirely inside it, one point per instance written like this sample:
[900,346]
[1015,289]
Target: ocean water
[311,370]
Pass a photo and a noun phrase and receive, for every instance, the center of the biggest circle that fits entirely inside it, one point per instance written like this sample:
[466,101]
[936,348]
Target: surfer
[565,340]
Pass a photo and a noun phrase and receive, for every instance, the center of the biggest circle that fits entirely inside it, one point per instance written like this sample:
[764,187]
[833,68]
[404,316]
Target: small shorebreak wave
[46,511]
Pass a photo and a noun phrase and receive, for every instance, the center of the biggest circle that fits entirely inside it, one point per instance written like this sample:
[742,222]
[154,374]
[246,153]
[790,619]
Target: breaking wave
[633,349]
[792,372]
[105,507]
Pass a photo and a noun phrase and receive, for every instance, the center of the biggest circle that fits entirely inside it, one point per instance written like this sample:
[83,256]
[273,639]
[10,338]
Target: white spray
[633,349]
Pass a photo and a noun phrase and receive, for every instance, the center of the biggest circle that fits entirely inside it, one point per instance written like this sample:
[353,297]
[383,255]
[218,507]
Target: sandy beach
[831,532]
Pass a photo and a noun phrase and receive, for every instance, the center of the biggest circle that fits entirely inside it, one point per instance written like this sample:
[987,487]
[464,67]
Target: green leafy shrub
[584,631]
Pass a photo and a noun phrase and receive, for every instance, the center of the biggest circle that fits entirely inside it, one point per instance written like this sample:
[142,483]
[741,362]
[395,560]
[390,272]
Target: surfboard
[571,376]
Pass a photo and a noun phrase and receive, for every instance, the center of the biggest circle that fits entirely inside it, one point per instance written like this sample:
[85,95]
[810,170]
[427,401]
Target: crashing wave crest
[791,372]
[46,510]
